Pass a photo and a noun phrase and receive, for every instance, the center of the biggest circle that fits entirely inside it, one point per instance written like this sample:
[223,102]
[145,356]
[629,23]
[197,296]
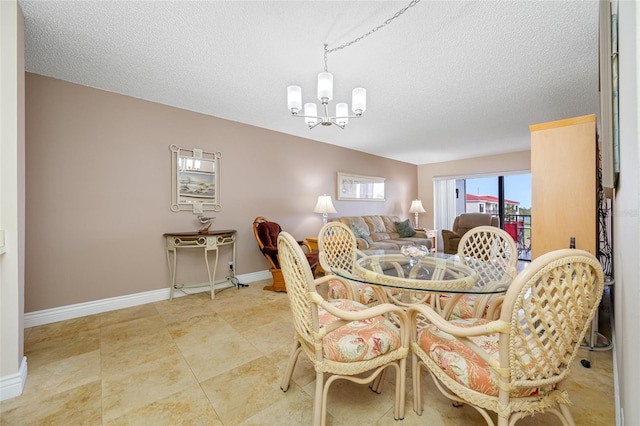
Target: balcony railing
[519,227]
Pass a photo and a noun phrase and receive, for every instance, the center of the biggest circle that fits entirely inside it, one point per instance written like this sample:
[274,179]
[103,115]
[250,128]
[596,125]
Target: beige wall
[494,164]
[98,190]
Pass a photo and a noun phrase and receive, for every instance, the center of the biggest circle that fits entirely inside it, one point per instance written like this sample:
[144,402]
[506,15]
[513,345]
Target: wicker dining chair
[339,250]
[341,337]
[493,254]
[517,365]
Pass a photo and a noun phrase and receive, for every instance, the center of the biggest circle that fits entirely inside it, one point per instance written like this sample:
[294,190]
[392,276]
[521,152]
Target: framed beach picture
[358,187]
[197,185]
[195,179]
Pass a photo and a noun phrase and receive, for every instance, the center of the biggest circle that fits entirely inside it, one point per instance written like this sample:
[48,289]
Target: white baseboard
[47,316]
[13,384]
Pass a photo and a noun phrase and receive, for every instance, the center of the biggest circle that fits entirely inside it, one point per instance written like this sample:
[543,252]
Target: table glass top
[423,271]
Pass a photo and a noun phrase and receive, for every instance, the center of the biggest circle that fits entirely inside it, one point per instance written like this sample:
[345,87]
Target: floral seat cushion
[465,306]
[365,292]
[357,340]
[461,363]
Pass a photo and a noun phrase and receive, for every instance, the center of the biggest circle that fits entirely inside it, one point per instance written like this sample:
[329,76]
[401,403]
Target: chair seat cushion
[357,340]
[463,308]
[461,363]
[365,292]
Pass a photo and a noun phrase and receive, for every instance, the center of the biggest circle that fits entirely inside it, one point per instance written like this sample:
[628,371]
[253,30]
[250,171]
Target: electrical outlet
[231,265]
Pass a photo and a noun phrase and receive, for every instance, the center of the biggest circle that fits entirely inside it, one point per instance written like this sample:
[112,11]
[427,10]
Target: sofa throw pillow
[405,229]
[359,233]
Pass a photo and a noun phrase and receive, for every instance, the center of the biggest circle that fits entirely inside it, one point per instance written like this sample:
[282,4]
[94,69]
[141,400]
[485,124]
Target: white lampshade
[324,205]
[359,100]
[312,110]
[416,207]
[342,113]
[325,86]
[294,98]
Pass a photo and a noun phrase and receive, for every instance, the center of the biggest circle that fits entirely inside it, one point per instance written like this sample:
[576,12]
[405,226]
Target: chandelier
[325,91]
[325,94]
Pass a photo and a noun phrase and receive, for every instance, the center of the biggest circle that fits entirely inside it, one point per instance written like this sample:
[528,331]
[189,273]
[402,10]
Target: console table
[206,242]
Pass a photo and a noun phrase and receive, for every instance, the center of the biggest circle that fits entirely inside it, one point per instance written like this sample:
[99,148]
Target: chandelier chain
[367,34]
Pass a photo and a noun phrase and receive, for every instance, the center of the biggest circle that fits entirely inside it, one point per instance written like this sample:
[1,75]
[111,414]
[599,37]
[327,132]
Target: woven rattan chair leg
[319,404]
[567,417]
[401,379]
[291,365]
[376,384]
[417,387]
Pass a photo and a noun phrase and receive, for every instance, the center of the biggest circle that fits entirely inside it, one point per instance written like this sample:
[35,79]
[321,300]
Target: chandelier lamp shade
[324,206]
[416,208]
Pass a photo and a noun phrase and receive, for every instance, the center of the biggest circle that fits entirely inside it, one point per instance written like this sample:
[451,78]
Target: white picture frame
[360,188]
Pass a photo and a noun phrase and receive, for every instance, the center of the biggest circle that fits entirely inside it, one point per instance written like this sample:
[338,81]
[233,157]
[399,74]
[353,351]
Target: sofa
[461,225]
[379,232]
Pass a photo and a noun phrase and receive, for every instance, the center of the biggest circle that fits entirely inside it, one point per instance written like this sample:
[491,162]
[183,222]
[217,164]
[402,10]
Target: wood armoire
[564,166]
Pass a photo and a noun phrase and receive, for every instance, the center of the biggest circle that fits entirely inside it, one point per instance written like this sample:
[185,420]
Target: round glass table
[405,279]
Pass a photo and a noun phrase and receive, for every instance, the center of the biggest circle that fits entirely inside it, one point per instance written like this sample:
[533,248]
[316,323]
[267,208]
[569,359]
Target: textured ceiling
[446,80]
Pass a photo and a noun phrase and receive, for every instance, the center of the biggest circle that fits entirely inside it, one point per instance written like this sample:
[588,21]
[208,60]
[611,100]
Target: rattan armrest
[400,317]
[436,319]
[381,309]
[326,278]
[493,311]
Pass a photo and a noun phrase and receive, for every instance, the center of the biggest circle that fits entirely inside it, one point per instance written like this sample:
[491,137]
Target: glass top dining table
[428,272]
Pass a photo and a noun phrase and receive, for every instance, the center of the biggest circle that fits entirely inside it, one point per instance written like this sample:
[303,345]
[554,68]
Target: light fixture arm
[325,120]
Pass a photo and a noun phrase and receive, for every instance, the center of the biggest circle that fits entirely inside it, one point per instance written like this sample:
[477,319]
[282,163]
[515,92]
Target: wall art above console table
[207,242]
[195,180]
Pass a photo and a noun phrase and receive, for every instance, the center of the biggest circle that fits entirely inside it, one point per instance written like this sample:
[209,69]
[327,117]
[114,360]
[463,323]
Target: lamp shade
[325,86]
[311,112]
[294,98]
[359,100]
[416,207]
[342,113]
[324,205]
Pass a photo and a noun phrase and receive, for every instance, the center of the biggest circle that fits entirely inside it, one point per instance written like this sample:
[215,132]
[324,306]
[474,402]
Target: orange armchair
[266,234]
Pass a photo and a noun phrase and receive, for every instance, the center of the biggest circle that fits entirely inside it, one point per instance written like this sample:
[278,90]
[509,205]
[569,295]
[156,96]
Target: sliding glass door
[517,215]
[505,196]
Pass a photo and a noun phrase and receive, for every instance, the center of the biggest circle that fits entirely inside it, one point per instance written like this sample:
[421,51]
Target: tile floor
[194,361]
